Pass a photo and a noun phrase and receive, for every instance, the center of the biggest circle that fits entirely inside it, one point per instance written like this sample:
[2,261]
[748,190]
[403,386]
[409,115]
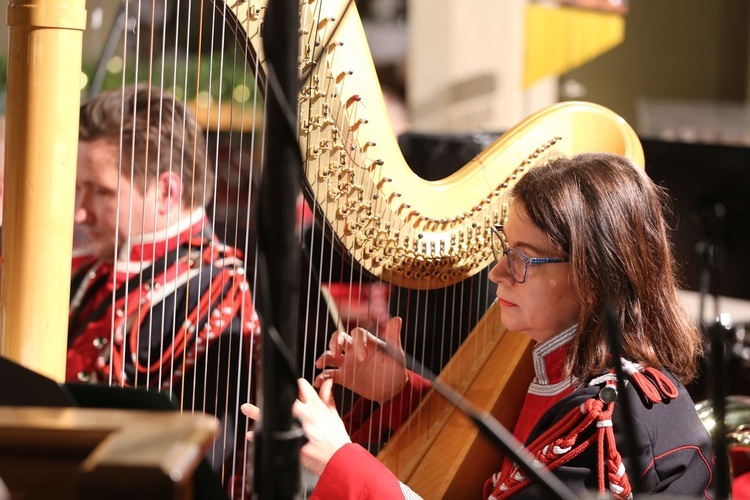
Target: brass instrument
[736,422]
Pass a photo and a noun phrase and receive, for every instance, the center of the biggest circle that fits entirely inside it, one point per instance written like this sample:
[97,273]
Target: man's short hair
[158,135]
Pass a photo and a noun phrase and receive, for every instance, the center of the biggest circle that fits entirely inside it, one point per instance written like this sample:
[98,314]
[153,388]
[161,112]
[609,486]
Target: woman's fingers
[326,394]
[393,332]
[339,342]
[307,392]
[253,413]
[328,359]
[250,411]
[361,340]
[329,374]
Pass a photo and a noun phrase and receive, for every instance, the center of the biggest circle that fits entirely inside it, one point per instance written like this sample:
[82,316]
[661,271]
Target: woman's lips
[505,303]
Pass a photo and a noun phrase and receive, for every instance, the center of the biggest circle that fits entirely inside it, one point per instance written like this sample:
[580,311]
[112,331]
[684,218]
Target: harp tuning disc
[343,75]
[383,181]
[332,46]
[352,99]
[357,123]
[253,11]
[325,21]
[377,163]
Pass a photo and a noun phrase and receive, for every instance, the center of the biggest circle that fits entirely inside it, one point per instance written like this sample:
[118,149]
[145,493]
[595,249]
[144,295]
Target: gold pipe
[43,98]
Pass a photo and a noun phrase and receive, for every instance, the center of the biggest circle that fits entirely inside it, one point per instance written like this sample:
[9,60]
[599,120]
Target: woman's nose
[500,272]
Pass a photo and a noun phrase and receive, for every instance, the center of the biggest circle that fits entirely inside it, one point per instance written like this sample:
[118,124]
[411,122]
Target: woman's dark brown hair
[158,135]
[609,219]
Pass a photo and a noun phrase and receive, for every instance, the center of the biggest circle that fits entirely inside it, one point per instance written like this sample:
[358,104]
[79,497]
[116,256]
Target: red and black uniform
[173,313]
[577,435]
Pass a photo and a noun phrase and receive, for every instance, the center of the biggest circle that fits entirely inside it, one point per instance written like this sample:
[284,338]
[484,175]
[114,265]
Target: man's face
[107,217]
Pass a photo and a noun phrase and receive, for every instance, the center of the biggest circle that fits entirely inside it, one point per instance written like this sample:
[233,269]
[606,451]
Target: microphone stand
[279,437]
[615,343]
[709,254]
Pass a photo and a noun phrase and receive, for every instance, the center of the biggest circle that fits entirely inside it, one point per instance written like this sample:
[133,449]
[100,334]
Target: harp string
[250,245]
[355,294]
[157,73]
[159,374]
[181,167]
[361,156]
[236,424]
[217,166]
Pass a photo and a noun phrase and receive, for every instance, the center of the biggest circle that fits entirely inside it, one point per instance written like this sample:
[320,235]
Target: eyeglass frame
[498,235]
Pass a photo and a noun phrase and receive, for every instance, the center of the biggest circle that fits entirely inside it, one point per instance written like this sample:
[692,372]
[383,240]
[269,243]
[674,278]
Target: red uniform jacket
[175,314]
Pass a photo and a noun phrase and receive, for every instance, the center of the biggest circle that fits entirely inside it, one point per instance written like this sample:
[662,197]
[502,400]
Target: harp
[408,232]
[394,228]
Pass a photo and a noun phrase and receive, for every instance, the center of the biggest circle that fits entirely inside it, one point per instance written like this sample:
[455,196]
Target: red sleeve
[388,417]
[353,473]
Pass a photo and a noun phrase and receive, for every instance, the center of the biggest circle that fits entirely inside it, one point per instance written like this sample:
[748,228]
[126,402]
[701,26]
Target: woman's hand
[323,427]
[356,362]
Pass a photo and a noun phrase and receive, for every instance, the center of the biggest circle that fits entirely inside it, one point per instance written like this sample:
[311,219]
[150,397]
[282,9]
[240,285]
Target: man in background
[157,301]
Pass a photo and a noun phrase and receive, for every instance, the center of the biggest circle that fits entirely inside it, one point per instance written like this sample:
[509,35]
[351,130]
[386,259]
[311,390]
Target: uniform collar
[149,247]
[549,359]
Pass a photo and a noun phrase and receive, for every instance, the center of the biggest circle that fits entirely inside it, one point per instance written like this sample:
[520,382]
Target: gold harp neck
[399,227]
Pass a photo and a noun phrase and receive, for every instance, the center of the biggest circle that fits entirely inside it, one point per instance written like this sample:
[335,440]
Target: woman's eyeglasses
[518,262]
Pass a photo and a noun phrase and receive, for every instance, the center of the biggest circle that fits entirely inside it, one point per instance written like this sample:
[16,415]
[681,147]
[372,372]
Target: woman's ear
[168,192]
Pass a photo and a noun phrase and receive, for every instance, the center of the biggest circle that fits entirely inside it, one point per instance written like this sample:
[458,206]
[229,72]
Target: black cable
[615,344]
[279,437]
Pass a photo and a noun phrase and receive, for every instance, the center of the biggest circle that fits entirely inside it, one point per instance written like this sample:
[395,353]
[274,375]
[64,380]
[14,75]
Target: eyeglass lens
[517,265]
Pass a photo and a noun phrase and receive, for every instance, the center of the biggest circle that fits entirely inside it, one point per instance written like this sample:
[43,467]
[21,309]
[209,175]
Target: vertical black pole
[279,437]
[718,334]
[710,252]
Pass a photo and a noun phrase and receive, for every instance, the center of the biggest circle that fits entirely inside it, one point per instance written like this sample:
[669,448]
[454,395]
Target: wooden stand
[95,453]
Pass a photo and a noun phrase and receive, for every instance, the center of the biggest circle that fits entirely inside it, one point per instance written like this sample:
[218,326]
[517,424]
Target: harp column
[43,100]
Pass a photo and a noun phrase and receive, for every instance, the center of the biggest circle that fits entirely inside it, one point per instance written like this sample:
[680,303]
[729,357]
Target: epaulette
[586,425]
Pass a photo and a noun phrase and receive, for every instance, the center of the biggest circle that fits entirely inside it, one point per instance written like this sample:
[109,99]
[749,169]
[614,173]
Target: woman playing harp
[583,236]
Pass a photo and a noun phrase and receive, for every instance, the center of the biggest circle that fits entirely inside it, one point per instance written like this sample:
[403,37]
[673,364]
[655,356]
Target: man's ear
[168,191]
